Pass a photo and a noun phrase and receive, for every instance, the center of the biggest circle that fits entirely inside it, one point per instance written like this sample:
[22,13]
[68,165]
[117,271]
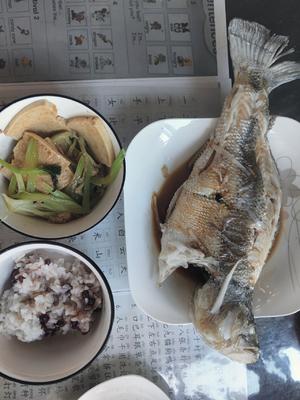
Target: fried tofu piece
[40,117]
[47,155]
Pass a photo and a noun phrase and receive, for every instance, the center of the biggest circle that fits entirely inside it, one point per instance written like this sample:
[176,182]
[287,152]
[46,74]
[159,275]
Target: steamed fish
[225,216]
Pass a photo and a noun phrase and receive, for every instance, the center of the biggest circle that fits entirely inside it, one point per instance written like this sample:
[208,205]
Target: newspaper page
[91,39]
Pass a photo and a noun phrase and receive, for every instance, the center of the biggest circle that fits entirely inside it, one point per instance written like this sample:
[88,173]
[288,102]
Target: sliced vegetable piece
[87,185]
[31,156]
[12,187]
[31,174]
[31,184]
[20,183]
[54,203]
[82,145]
[31,161]
[63,196]
[63,140]
[30,196]
[25,207]
[61,205]
[72,152]
[113,173]
[24,171]
[78,173]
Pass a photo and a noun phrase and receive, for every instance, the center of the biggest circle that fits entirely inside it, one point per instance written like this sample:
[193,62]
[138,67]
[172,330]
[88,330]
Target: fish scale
[225,216]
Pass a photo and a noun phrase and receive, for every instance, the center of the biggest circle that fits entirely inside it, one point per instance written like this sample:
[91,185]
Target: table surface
[277,374]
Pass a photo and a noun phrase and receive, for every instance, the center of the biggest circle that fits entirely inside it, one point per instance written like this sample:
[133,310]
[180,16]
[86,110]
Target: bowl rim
[111,299]
[117,139]
[123,380]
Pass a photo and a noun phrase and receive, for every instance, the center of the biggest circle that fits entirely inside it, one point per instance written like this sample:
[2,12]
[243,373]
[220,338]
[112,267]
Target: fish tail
[255,51]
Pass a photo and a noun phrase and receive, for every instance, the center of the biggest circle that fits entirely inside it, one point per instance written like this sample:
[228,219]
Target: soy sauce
[164,196]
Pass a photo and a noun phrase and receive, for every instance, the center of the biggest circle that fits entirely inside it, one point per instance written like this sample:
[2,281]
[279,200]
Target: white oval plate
[129,387]
[171,142]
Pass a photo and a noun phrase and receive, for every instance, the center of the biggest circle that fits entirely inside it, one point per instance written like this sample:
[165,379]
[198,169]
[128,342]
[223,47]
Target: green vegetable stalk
[31,161]
[87,185]
[42,205]
[77,179]
[31,156]
[47,169]
[113,173]
[25,207]
[12,187]
[20,183]
[63,140]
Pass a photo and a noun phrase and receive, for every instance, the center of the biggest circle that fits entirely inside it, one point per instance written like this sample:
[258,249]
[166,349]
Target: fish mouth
[247,355]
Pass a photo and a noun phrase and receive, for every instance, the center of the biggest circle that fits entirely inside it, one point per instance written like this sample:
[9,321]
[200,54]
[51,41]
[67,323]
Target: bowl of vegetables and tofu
[61,166]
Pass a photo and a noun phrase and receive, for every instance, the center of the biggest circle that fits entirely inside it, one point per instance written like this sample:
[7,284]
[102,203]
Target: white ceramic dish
[39,228]
[171,142]
[129,387]
[58,357]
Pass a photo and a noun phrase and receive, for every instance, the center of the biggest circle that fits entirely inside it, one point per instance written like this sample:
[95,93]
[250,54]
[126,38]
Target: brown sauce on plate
[161,199]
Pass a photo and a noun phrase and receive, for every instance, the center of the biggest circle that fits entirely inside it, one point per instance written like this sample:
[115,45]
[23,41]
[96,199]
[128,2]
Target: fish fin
[204,149]
[221,295]
[282,73]
[176,253]
[173,201]
[255,50]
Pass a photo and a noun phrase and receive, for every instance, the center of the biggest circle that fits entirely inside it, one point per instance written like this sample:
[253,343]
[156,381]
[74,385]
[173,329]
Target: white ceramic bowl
[129,387]
[174,141]
[39,228]
[58,357]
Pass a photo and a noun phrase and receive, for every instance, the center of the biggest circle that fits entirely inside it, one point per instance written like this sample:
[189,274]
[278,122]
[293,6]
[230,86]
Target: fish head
[231,330]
